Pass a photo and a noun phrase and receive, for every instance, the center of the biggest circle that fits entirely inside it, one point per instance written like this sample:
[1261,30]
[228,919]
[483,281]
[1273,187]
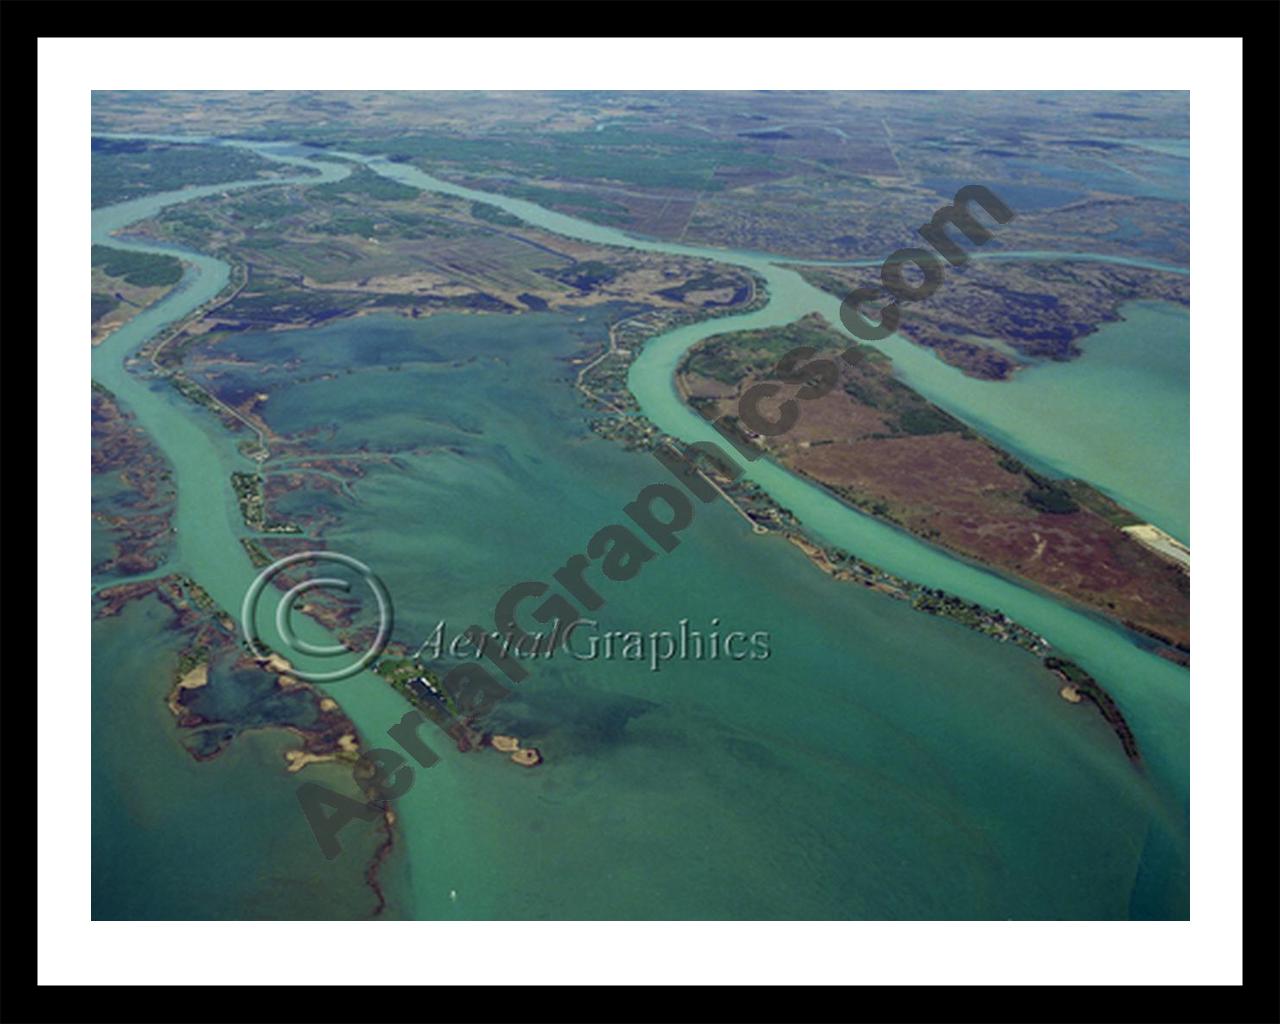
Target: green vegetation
[580,203]
[361,225]
[584,275]
[861,393]
[710,280]
[1089,688]
[191,658]
[494,215]
[967,613]
[731,358]
[1052,500]
[399,672]
[193,392]
[273,300]
[396,670]
[736,358]
[266,206]
[1062,497]
[252,448]
[1095,501]
[645,159]
[142,269]
[258,555]
[100,304]
[385,222]
[1047,495]
[185,224]
[126,169]
[1072,672]
[364,182]
[248,488]
[924,418]
[198,595]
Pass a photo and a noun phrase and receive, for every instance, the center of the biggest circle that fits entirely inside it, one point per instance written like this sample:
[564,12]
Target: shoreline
[635,431]
[334,737]
[1162,543]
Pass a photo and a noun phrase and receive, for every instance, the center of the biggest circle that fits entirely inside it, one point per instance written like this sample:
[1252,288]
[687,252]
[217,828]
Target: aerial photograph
[640,506]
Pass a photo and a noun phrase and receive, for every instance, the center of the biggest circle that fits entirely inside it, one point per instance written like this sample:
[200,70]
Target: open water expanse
[881,763]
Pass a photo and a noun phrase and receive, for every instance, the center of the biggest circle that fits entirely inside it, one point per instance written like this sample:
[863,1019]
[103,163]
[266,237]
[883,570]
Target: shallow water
[176,839]
[880,763]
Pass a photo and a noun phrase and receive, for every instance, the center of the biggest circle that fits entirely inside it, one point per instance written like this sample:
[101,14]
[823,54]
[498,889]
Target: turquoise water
[175,839]
[1118,417]
[1053,418]
[881,763]
[157,832]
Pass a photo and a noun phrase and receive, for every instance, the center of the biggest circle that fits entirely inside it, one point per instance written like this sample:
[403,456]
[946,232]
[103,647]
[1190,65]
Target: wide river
[1116,417]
